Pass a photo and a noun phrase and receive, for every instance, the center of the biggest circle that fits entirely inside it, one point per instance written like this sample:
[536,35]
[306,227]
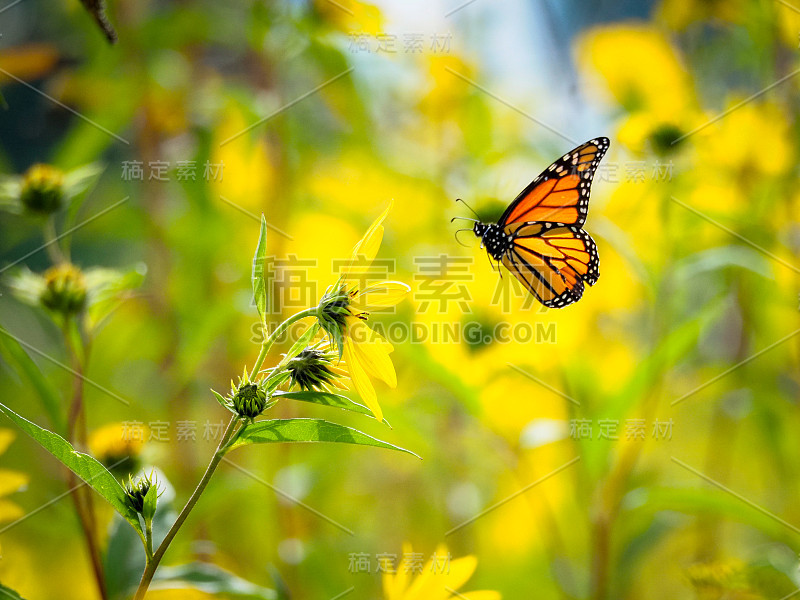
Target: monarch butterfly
[539,237]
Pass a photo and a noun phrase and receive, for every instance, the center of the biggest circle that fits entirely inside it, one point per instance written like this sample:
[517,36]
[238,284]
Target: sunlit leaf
[150,500]
[8,593]
[106,289]
[706,501]
[301,343]
[259,283]
[223,402]
[84,466]
[327,399]
[307,430]
[211,580]
[78,182]
[700,264]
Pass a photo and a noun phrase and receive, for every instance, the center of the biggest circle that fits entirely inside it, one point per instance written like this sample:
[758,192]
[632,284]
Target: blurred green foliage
[692,329]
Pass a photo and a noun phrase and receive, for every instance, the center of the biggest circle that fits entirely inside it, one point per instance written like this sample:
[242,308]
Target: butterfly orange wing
[552,262]
[561,193]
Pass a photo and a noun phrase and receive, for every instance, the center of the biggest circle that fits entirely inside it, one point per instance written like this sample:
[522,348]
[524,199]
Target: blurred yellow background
[641,443]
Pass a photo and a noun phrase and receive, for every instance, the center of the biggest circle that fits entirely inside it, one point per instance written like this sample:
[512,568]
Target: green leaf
[327,399]
[281,588]
[12,350]
[3,103]
[78,182]
[705,263]
[705,501]
[259,283]
[8,594]
[107,288]
[84,466]
[150,501]
[306,430]
[211,580]
[301,344]
[223,402]
[124,560]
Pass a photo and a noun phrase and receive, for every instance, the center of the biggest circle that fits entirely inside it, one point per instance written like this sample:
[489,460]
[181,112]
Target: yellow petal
[435,581]
[10,511]
[394,586]
[12,481]
[376,363]
[375,229]
[366,249]
[380,295]
[372,352]
[6,437]
[362,334]
[360,379]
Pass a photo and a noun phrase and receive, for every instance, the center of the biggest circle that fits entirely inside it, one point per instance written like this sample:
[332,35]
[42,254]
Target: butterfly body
[540,238]
[493,239]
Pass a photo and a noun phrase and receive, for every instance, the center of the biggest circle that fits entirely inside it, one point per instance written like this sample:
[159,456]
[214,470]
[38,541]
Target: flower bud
[65,289]
[332,312]
[119,447]
[136,490]
[42,190]
[313,369]
[249,400]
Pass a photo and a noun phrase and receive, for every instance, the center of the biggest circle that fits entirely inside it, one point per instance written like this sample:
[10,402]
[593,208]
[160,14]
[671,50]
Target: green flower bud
[42,190]
[332,312]
[312,369]
[65,289]
[249,399]
[136,490]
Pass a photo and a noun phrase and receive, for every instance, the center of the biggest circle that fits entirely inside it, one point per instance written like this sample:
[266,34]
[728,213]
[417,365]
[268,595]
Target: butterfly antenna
[465,219]
[468,206]
[458,240]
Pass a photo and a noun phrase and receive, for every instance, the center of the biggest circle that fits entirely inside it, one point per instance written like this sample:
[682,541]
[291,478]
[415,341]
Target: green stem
[54,251]
[76,430]
[153,562]
[265,347]
[148,536]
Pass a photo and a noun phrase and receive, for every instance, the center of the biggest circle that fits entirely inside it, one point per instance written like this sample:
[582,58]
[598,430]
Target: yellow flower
[118,446]
[10,482]
[638,67]
[643,73]
[767,129]
[345,309]
[440,579]
[787,20]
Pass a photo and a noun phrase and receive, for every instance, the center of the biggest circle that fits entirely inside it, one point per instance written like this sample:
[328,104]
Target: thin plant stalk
[52,247]
[76,429]
[155,560]
[267,345]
